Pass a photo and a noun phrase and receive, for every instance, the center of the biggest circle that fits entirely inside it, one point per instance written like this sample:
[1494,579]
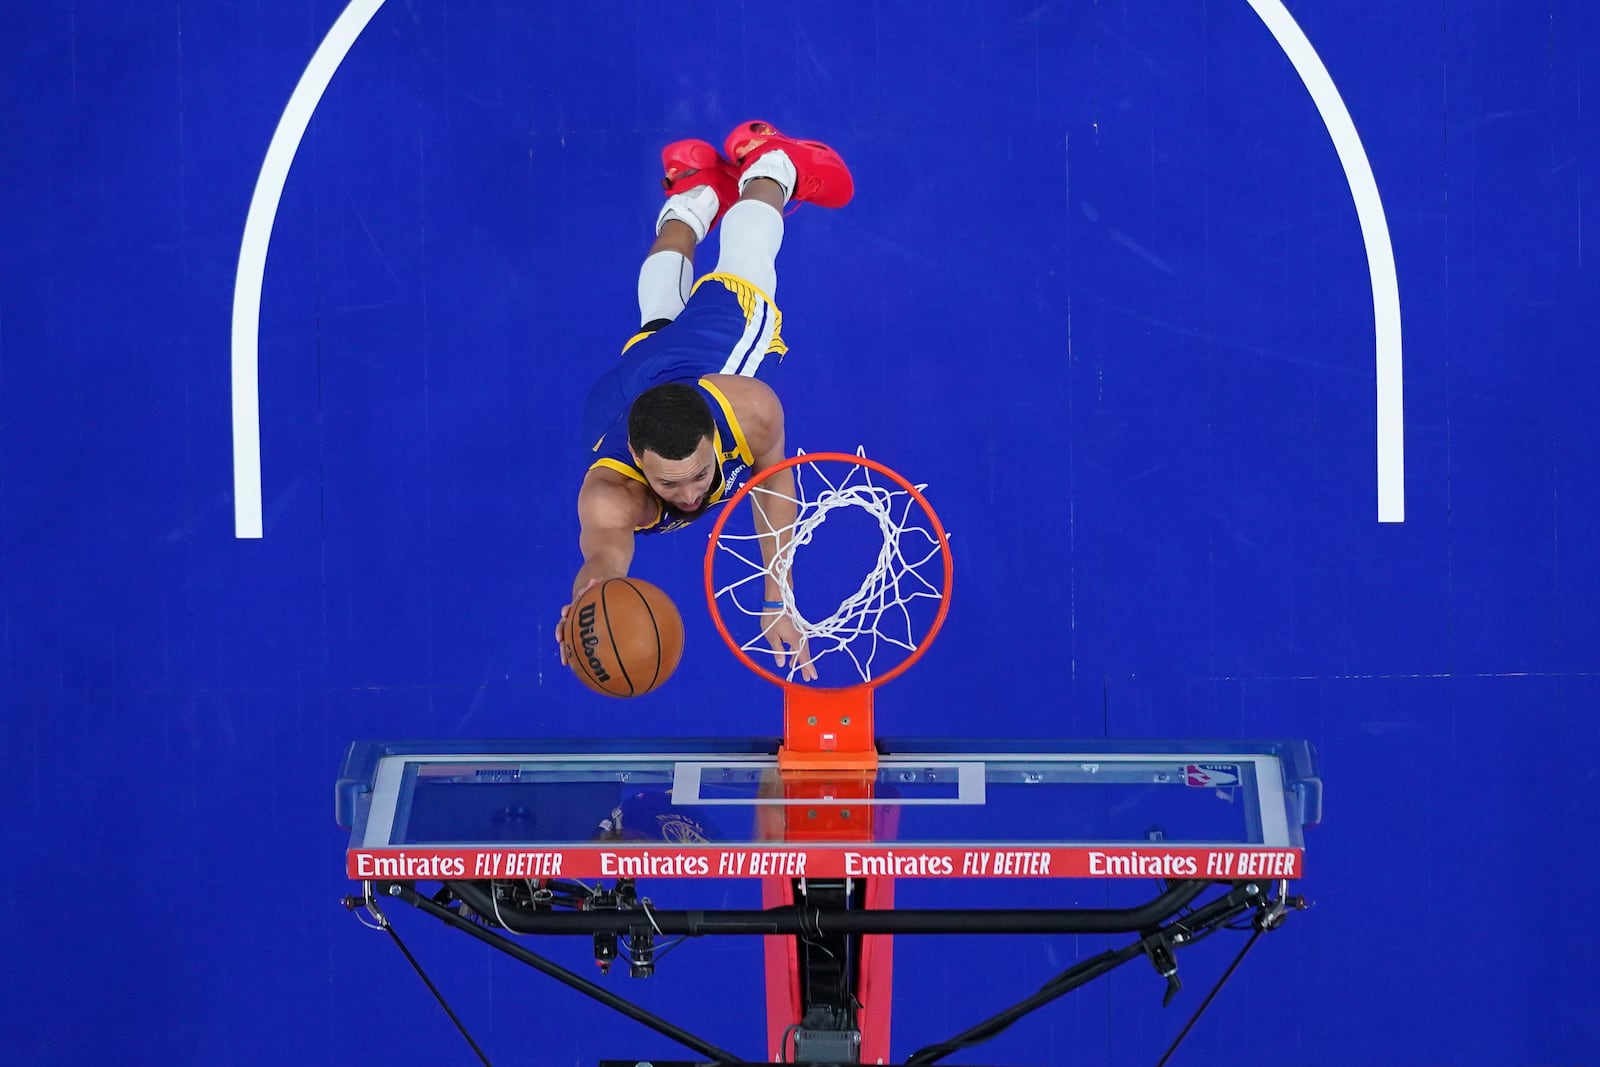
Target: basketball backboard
[945,808]
[829,817]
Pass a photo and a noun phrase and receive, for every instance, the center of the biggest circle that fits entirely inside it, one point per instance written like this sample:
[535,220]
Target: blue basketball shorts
[728,326]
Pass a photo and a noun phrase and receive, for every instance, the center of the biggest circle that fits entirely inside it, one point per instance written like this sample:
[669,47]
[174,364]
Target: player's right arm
[608,510]
[609,507]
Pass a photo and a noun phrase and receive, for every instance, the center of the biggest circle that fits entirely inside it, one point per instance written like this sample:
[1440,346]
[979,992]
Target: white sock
[697,208]
[752,233]
[664,283]
[776,165]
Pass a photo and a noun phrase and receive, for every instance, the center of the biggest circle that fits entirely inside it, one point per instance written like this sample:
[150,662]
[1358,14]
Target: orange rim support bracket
[828,729]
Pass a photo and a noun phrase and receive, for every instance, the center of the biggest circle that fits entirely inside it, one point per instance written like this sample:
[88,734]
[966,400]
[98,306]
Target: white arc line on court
[247,512]
[319,72]
[1380,251]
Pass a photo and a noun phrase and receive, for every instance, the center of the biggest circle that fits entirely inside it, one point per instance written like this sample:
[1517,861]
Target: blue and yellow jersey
[735,462]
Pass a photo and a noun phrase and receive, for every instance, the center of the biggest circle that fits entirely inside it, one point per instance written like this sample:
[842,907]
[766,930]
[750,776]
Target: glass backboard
[963,808]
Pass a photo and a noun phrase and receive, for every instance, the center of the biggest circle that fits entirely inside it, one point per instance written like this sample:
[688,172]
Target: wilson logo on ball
[590,641]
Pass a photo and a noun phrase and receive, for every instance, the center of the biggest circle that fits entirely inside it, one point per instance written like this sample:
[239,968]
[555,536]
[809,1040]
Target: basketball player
[684,419]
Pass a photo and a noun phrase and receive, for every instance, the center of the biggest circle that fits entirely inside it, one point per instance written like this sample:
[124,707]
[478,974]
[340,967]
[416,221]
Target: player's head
[669,434]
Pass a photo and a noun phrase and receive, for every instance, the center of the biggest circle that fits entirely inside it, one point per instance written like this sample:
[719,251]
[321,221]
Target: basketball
[624,637]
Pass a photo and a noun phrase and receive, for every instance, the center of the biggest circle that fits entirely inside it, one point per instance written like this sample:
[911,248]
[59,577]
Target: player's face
[683,483]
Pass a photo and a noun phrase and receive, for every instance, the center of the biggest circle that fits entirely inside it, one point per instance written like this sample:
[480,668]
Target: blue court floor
[1246,350]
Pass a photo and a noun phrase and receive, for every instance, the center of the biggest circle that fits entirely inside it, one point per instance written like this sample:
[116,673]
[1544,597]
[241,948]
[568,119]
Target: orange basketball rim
[832,727]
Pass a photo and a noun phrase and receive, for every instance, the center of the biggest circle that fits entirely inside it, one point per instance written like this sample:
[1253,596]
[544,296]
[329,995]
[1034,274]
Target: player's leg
[753,230]
[735,324]
[773,170]
[666,275]
[700,187]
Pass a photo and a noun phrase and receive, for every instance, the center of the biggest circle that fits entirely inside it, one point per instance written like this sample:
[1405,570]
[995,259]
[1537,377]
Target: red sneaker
[821,176]
[691,164]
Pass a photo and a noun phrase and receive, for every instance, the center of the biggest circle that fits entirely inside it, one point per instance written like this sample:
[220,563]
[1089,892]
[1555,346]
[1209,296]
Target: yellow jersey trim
[746,294]
[741,446]
[738,286]
[620,467]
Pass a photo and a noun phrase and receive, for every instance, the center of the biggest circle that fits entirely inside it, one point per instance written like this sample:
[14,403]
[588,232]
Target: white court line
[1380,251]
[688,776]
[247,514]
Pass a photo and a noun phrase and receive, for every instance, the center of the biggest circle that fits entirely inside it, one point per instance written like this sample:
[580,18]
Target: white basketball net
[877,612]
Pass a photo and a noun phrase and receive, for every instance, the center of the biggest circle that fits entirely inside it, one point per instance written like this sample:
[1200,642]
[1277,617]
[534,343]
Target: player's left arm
[774,508]
[772,502]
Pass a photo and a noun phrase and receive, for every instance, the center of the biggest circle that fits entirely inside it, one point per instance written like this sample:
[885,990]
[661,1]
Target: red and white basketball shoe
[691,164]
[821,176]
